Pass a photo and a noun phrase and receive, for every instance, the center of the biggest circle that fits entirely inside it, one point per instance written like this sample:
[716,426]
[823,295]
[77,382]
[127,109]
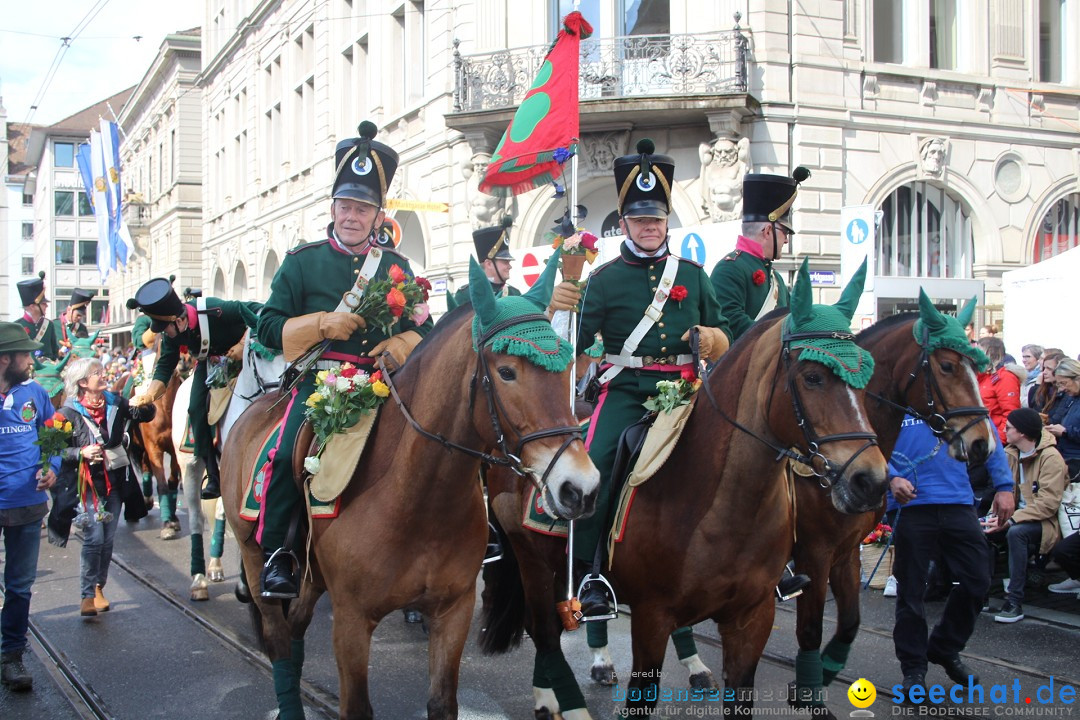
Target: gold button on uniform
[663,349]
[652,277]
[663,336]
[356,259]
[660,324]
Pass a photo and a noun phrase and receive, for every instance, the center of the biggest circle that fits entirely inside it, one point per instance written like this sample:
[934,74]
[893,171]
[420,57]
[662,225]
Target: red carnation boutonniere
[759,277]
[678,294]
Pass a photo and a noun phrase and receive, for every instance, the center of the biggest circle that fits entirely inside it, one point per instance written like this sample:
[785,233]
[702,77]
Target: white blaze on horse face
[573,471]
[973,383]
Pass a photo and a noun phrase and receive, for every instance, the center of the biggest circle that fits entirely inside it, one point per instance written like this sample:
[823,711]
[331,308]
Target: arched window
[412,240]
[269,271]
[1059,230]
[924,232]
[240,284]
[219,284]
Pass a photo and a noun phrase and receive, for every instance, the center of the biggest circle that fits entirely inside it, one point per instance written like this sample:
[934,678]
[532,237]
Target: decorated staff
[37,326]
[210,329]
[319,299]
[745,282]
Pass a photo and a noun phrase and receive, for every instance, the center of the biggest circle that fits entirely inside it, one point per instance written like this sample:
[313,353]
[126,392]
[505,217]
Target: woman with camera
[94,468]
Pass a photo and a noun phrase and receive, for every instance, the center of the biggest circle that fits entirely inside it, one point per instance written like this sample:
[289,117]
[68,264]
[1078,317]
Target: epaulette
[307,246]
[692,262]
[608,264]
[731,255]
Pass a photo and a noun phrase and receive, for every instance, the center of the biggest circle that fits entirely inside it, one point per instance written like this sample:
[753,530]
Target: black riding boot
[278,577]
[792,586]
[212,490]
[594,598]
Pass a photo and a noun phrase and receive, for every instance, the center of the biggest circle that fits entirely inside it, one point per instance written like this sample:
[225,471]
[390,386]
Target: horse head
[84,347]
[520,394]
[824,372]
[49,375]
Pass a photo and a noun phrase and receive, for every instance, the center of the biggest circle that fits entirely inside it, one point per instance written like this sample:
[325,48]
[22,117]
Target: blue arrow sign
[693,248]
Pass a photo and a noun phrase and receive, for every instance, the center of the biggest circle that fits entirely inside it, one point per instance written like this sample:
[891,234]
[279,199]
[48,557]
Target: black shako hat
[32,291]
[80,298]
[493,242]
[643,182]
[768,198]
[363,167]
[159,302]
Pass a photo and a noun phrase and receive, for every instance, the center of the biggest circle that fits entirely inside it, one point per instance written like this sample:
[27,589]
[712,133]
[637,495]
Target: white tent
[1040,302]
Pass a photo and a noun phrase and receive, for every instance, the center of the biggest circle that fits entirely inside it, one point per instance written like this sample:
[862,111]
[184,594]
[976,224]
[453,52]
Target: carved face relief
[933,156]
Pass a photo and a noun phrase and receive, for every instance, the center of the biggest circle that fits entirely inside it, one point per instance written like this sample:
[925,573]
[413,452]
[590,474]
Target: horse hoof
[703,681]
[168,533]
[413,616]
[149,500]
[603,674]
[215,571]
[242,593]
[200,588]
[544,714]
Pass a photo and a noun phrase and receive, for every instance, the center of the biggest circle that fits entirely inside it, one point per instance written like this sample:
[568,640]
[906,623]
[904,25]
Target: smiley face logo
[862,693]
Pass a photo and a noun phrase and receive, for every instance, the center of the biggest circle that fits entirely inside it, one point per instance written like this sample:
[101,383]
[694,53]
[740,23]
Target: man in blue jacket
[937,520]
[24,408]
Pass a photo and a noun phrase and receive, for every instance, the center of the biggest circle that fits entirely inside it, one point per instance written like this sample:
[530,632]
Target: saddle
[302,447]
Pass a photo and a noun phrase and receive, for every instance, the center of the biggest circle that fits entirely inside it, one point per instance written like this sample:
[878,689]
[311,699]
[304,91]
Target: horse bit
[511,460]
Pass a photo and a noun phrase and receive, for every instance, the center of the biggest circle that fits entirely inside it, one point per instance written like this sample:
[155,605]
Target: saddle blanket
[253,494]
[535,518]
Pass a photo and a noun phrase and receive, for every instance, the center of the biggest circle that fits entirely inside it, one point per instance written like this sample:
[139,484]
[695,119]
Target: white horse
[257,377]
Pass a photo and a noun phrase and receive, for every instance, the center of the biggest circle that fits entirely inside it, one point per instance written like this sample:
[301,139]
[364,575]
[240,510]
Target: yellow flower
[321,375]
[67,427]
[380,388]
[313,400]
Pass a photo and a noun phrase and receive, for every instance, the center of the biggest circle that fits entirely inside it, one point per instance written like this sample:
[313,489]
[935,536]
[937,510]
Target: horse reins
[938,422]
[824,469]
[511,460]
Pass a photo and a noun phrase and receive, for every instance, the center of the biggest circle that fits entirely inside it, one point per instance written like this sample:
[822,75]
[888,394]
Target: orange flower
[49,423]
[397,275]
[395,300]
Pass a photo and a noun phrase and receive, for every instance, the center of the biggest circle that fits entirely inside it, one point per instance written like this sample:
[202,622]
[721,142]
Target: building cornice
[249,26]
[166,63]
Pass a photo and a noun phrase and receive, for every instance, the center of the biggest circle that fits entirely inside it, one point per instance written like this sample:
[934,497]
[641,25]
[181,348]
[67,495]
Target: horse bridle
[482,374]
[264,387]
[938,422]
[825,470]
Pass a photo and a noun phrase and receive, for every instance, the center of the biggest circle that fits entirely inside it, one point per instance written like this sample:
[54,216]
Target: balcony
[136,215]
[652,75]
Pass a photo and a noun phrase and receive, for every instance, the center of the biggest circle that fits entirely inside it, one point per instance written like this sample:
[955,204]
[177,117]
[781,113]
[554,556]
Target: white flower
[311,464]
[343,384]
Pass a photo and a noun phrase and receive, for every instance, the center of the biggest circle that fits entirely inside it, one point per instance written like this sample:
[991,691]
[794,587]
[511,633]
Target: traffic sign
[416,205]
[857,231]
[822,277]
[693,248]
[531,268]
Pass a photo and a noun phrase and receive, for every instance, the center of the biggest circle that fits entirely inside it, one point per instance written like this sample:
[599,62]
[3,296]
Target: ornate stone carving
[933,152]
[724,163]
[484,210]
[599,150]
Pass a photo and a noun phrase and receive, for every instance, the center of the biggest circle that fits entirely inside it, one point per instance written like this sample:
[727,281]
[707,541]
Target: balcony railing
[136,215]
[632,66]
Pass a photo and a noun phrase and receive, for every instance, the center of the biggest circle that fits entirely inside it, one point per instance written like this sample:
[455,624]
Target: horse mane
[447,323]
[883,326]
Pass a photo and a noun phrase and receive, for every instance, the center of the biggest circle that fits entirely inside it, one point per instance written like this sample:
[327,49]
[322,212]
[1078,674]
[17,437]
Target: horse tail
[502,622]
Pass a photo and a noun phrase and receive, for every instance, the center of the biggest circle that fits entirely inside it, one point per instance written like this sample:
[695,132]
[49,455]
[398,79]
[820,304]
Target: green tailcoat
[740,297]
[462,295]
[50,341]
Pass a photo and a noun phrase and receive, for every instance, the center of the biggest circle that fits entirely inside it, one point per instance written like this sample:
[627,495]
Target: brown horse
[710,533]
[412,529]
[910,378]
[152,441]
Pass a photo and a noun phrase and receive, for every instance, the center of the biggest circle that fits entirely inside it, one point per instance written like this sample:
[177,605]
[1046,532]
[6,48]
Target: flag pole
[573,314]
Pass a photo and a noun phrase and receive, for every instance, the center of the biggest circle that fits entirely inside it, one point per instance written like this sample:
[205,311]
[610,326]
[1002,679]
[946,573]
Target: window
[65,252]
[64,203]
[88,252]
[28,231]
[63,155]
[646,17]
[888,24]
[85,208]
[27,265]
[924,232]
[1052,18]
[943,34]
[99,309]
[27,199]
[1060,229]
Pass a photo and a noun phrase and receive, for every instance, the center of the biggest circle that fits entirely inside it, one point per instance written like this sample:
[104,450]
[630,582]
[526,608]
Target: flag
[119,238]
[543,132]
[106,259]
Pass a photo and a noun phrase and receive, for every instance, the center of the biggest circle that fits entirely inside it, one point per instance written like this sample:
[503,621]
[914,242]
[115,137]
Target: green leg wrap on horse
[167,502]
[287,689]
[297,655]
[198,559]
[562,680]
[217,540]
[540,678]
[596,633]
[147,484]
[684,642]
[808,676]
[834,659]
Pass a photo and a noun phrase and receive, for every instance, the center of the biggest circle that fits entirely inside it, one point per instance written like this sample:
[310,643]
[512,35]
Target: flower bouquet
[340,398]
[386,300]
[877,569]
[576,250]
[673,393]
[53,438]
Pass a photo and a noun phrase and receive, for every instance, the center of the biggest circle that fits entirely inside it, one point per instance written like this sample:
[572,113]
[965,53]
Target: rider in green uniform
[73,326]
[493,254]
[210,328]
[37,326]
[307,306]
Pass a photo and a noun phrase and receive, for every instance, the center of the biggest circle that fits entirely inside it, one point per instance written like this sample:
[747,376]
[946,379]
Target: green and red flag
[543,132]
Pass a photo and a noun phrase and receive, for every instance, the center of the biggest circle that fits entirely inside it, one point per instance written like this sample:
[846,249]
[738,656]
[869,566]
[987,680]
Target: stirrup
[282,551]
[796,590]
[613,603]
[494,550]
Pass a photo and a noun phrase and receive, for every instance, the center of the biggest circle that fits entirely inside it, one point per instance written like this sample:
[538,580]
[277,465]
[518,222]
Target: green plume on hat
[842,356]
[934,329]
[532,339]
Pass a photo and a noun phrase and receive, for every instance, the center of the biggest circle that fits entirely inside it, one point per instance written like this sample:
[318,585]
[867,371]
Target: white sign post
[858,238]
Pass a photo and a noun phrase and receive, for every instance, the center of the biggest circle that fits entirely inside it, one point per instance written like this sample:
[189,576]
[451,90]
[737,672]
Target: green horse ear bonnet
[934,329]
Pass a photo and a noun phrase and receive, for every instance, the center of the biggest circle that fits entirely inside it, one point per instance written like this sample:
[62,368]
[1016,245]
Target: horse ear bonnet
[934,329]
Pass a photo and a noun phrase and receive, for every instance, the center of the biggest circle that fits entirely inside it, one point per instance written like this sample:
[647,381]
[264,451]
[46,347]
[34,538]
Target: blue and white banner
[105,256]
[119,238]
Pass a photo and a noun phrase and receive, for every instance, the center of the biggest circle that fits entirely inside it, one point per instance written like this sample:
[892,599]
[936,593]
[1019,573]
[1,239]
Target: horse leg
[449,631]
[215,570]
[808,688]
[192,468]
[742,652]
[701,677]
[301,611]
[603,667]
[352,648]
[844,579]
[649,633]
